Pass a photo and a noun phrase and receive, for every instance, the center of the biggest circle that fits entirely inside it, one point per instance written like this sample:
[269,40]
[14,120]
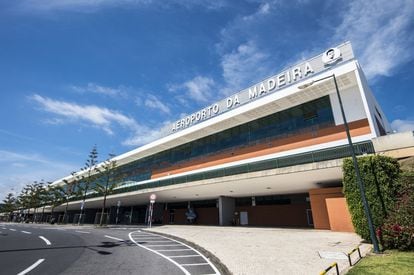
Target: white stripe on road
[155,241]
[163,245]
[184,256]
[11,229]
[166,250]
[3,228]
[170,258]
[46,240]
[30,268]
[162,255]
[26,232]
[114,238]
[194,264]
[85,232]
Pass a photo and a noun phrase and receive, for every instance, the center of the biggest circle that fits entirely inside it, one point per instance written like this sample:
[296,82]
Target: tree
[9,204]
[107,176]
[68,190]
[87,177]
[56,196]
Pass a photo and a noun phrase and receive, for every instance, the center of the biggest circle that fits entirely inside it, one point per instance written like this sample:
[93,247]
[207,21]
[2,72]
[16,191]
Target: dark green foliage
[398,229]
[380,175]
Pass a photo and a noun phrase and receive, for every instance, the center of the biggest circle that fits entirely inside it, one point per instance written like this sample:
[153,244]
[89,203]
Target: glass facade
[303,118]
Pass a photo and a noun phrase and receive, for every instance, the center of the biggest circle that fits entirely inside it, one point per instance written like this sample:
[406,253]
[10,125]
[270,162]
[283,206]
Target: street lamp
[354,160]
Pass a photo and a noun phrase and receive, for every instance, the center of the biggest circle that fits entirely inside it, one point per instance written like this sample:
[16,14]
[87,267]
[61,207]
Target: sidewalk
[250,250]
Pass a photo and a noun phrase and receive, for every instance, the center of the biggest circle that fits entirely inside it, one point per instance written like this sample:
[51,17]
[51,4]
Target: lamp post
[354,160]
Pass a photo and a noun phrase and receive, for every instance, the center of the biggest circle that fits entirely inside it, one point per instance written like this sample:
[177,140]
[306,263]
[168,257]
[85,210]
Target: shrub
[380,176]
[398,229]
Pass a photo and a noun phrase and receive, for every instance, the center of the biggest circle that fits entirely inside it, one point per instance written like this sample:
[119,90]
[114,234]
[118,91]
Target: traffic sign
[153,197]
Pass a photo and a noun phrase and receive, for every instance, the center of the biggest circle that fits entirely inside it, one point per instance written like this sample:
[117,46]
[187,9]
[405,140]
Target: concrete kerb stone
[216,261]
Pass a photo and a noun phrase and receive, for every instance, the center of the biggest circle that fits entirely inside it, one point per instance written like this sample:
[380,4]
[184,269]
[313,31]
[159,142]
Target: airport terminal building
[269,155]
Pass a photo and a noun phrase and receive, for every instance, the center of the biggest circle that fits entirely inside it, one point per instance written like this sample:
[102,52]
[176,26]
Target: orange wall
[318,204]
[339,216]
[320,136]
[277,215]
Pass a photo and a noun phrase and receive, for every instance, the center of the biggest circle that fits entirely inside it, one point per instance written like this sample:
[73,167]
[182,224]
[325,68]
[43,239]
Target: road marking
[85,232]
[184,256]
[163,245]
[165,250]
[121,240]
[194,264]
[30,268]
[11,229]
[46,240]
[26,232]
[155,241]
[170,258]
[3,228]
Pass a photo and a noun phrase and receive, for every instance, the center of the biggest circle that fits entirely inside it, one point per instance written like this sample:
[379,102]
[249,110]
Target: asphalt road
[46,249]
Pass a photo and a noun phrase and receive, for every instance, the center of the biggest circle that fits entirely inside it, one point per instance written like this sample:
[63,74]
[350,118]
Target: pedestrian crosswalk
[188,259]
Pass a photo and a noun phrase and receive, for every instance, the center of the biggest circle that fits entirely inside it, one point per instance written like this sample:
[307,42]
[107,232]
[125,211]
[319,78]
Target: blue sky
[74,73]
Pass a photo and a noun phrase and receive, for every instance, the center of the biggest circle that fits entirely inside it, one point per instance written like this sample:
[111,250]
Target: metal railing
[350,253]
[329,268]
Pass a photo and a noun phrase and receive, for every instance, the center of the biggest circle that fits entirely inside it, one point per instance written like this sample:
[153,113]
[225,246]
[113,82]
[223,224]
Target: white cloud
[153,102]
[98,89]
[199,89]
[145,134]
[102,118]
[18,169]
[93,5]
[401,125]
[243,66]
[381,33]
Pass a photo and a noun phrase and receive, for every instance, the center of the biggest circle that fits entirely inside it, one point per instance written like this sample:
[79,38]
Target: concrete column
[227,207]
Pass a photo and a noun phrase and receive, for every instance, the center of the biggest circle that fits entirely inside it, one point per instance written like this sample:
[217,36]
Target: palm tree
[107,176]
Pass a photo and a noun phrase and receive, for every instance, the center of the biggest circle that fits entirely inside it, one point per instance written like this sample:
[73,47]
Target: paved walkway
[249,250]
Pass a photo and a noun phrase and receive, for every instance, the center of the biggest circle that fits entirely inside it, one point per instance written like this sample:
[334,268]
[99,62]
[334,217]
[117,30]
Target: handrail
[350,253]
[335,264]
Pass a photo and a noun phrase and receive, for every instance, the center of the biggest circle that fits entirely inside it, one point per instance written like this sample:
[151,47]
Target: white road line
[26,232]
[85,232]
[163,245]
[165,250]
[3,228]
[194,264]
[147,239]
[11,229]
[184,256]
[46,240]
[165,257]
[190,248]
[30,268]
[114,238]
[156,241]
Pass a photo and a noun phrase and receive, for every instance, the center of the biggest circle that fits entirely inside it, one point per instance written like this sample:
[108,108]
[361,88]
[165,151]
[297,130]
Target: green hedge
[381,176]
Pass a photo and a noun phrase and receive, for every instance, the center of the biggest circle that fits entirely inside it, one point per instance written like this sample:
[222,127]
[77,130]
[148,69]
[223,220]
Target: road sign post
[152,198]
[118,204]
